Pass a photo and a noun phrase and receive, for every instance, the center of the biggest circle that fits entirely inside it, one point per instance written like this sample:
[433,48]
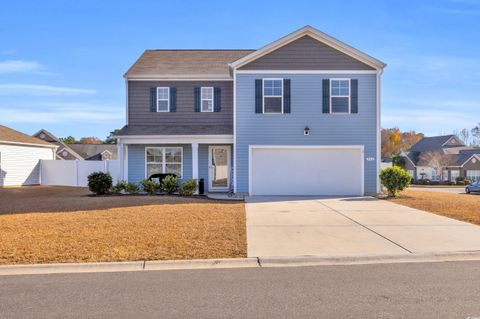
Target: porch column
[195,161]
[120,161]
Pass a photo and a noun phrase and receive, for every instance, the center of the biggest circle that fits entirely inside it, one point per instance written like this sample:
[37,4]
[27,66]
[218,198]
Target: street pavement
[449,190]
[410,290]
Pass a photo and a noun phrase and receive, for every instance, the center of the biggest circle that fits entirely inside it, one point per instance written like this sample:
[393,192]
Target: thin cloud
[36,89]
[96,114]
[20,66]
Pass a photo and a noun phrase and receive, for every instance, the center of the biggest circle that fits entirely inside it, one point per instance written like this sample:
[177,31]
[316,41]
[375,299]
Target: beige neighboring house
[20,156]
[88,152]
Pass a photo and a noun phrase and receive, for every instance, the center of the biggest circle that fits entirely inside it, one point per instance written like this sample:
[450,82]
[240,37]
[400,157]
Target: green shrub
[120,186]
[149,186]
[460,180]
[131,188]
[188,187]
[395,179]
[170,184]
[99,182]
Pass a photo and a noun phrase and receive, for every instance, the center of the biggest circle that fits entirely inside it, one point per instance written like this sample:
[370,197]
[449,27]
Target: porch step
[226,196]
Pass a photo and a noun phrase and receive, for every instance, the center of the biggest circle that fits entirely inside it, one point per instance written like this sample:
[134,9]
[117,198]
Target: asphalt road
[426,290]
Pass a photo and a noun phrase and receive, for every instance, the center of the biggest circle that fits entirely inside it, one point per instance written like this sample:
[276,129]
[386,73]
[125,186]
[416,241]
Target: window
[473,175]
[272,96]
[207,99]
[163,99]
[453,175]
[340,96]
[164,160]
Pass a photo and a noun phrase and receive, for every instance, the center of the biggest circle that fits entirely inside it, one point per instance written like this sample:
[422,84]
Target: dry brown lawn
[59,224]
[459,206]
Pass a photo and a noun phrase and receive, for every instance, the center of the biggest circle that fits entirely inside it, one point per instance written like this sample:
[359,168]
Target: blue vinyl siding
[306,110]
[136,161]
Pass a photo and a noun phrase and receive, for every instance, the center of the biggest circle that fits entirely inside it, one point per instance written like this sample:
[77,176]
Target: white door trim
[355,147]
[229,165]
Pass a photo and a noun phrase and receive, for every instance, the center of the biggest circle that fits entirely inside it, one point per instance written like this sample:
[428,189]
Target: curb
[251,262]
[365,260]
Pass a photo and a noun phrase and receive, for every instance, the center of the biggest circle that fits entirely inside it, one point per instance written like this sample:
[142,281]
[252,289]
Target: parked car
[474,187]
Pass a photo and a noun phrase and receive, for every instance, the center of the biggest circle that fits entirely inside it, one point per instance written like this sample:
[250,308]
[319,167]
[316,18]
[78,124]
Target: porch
[207,158]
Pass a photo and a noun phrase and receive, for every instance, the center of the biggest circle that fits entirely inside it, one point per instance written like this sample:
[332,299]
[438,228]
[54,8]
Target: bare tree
[463,135]
[476,135]
[435,160]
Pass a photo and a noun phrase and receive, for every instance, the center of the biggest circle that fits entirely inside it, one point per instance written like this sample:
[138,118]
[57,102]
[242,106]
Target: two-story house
[299,116]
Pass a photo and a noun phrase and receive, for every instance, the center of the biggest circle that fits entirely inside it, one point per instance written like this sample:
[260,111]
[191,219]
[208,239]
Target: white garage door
[306,171]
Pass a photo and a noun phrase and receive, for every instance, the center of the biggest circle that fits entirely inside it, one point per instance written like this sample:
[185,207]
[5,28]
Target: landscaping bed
[459,206]
[62,224]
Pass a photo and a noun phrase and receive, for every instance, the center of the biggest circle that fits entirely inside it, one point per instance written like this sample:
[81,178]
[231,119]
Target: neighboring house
[20,156]
[95,152]
[89,152]
[442,158]
[299,116]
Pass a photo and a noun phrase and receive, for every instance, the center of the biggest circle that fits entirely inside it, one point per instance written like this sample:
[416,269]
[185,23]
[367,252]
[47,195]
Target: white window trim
[349,95]
[202,99]
[263,95]
[168,99]
[164,163]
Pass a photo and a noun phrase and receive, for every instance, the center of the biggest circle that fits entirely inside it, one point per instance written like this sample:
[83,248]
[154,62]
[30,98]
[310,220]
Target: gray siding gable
[306,53]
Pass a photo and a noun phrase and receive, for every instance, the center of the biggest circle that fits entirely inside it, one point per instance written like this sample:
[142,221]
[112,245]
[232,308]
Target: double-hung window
[272,95]
[164,160]
[163,99]
[340,96]
[207,99]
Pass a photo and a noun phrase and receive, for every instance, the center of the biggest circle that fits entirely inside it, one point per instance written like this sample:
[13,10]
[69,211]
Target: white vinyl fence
[74,172]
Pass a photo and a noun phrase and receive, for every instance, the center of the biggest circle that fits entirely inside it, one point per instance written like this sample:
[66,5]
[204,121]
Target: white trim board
[361,148]
[176,139]
[28,144]
[306,71]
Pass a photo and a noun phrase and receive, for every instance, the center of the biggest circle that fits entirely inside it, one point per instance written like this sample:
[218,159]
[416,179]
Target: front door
[219,168]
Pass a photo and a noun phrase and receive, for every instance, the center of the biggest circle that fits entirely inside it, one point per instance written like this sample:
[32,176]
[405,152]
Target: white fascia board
[355,147]
[307,71]
[176,77]
[176,139]
[318,35]
[28,144]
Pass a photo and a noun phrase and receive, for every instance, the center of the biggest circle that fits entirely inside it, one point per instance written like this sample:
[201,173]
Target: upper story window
[207,99]
[340,96]
[163,99]
[272,95]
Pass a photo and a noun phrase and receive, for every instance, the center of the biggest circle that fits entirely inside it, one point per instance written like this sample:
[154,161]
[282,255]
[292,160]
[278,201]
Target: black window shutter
[326,95]
[258,96]
[354,96]
[173,99]
[153,99]
[197,99]
[286,96]
[217,100]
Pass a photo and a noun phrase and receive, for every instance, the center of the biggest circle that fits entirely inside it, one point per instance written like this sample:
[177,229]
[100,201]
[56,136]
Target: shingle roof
[185,63]
[94,151]
[176,130]
[11,136]
[430,143]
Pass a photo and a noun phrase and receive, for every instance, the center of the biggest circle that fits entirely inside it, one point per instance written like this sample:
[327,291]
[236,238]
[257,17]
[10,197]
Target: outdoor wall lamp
[306,131]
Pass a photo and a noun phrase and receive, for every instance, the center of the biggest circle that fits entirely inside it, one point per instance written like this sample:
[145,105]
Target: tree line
[110,139]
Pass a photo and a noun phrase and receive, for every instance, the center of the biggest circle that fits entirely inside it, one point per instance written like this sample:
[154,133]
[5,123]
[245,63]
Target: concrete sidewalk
[357,226]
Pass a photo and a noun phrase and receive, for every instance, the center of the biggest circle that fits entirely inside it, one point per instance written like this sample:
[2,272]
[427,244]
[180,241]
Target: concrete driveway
[358,226]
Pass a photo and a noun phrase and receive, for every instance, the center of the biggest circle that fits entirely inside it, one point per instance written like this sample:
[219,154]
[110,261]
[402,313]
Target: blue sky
[61,62]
